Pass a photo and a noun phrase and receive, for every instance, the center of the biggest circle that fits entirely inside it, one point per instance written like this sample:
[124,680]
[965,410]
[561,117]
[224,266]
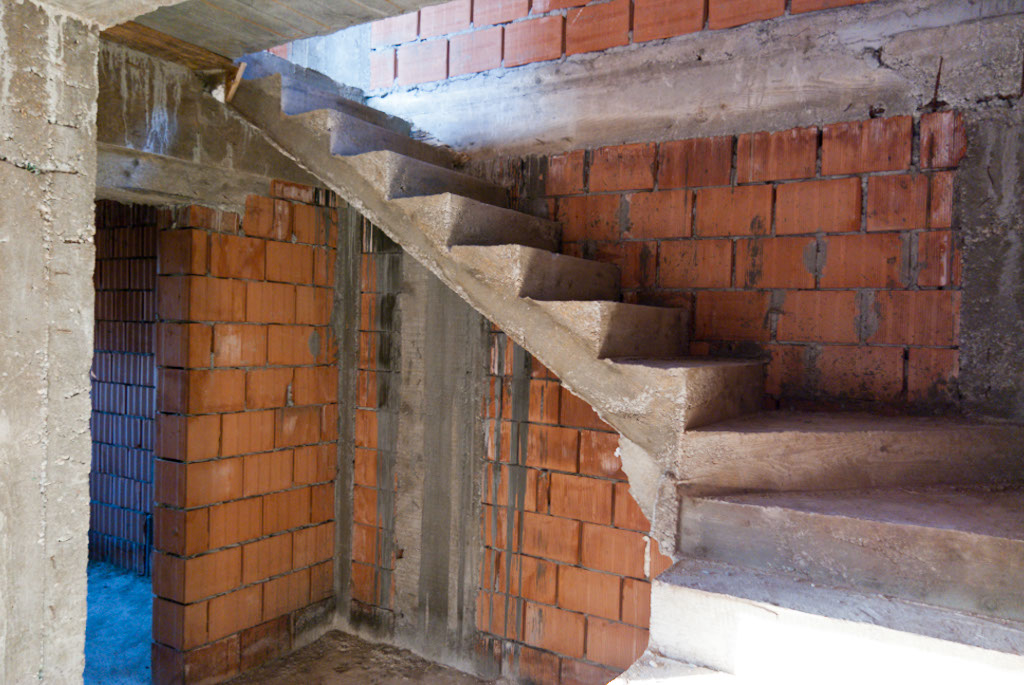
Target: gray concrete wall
[344,56]
[164,139]
[47,172]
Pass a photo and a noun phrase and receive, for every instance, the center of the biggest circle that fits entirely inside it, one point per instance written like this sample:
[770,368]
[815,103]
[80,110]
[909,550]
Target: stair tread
[789,590]
[981,510]
[452,219]
[409,177]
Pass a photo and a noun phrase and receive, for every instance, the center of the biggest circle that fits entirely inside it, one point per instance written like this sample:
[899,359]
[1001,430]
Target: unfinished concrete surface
[47,171]
[341,659]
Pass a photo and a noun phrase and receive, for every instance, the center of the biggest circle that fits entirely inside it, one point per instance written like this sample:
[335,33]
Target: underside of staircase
[791,530]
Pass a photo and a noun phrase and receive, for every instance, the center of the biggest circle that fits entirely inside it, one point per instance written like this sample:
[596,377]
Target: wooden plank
[159,44]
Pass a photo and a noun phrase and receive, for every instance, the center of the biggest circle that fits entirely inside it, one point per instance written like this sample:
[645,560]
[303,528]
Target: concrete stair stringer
[650,402]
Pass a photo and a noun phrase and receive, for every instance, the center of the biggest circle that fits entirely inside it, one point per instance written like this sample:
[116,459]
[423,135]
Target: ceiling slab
[109,12]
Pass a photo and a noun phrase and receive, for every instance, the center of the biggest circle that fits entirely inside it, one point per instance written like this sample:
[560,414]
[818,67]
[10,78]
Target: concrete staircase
[835,531]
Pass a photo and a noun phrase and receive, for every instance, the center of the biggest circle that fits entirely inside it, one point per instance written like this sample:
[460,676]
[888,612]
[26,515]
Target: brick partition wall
[246,434]
[123,387]
[826,251]
[565,594]
[471,36]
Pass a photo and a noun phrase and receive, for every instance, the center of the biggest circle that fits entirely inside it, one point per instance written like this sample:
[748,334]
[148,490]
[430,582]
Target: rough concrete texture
[655,669]
[340,659]
[797,70]
[164,139]
[109,12]
[778,628]
[47,171]
[439,469]
[344,56]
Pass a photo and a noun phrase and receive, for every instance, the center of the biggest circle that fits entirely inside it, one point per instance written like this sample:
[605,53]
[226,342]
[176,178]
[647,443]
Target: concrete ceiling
[109,12]
[237,27]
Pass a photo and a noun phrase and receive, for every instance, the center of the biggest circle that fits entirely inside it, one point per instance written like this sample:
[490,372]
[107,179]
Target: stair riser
[616,331]
[295,99]
[401,177]
[783,645]
[540,275]
[968,572]
[354,137]
[450,220]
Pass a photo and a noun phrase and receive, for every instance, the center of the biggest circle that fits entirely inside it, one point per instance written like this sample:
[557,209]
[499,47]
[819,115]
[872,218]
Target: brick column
[246,434]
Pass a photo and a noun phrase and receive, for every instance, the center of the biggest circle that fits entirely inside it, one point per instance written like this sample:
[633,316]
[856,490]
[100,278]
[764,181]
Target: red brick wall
[565,583]
[123,387]
[470,36]
[827,251]
[247,431]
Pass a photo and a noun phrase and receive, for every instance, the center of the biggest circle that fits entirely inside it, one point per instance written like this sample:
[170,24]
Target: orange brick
[364,583]
[943,140]
[489,12]
[636,602]
[366,429]
[542,6]
[382,69]
[394,30]
[239,345]
[323,266]
[315,385]
[940,209]
[260,219]
[182,252]
[216,391]
[321,503]
[266,388]
[200,299]
[289,263]
[306,223]
[661,214]
[615,644]
[732,316]
[622,167]
[537,580]
[313,305]
[364,543]
[612,550]
[535,40]
[593,217]
[448,17]
[923,317]
[188,580]
[235,522]
[787,371]
[867,373]
[536,666]
[654,19]
[366,467]
[293,345]
[207,482]
[544,397]
[598,457]
[576,412]
[581,498]
[237,257]
[934,258]
[270,302]
[581,673]
[565,173]
[776,156]
[321,581]
[365,505]
[695,162]
[297,426]
[597,27]
[235,611]
[830,206]
[854,147]
[553,629]
[932,374]
[180,626]
[422,62]
[819,316]
[366,389]
[589,592]
[695,264]
[247,432]
[897,203]
[184,345]
[183,533]
[776,262]
[267,472]
[551,538]
[286,510]
[862,261]
[188,438]
[313,464]
[264,642]
[474,52]
[500,615]
[552,447]
[627,512]
[494,521]
[746,210]
[285,594]
[799,6]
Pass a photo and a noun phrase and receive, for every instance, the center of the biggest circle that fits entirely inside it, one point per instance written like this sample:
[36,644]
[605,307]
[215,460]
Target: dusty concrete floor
[340,659]
[118,629]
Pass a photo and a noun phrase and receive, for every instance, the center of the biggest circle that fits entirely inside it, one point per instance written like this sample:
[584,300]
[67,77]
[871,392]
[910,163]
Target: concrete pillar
[47,173]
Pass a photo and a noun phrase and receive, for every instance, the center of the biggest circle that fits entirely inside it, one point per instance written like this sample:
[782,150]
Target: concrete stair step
[539,274]
[768,625]
[400,176]
[616,329]
[303,90]
[351,136]
[788,451]
[955,547]
[450,219]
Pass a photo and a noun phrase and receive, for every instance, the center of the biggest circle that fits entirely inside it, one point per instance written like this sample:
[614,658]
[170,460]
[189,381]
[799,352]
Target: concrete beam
[109,12]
